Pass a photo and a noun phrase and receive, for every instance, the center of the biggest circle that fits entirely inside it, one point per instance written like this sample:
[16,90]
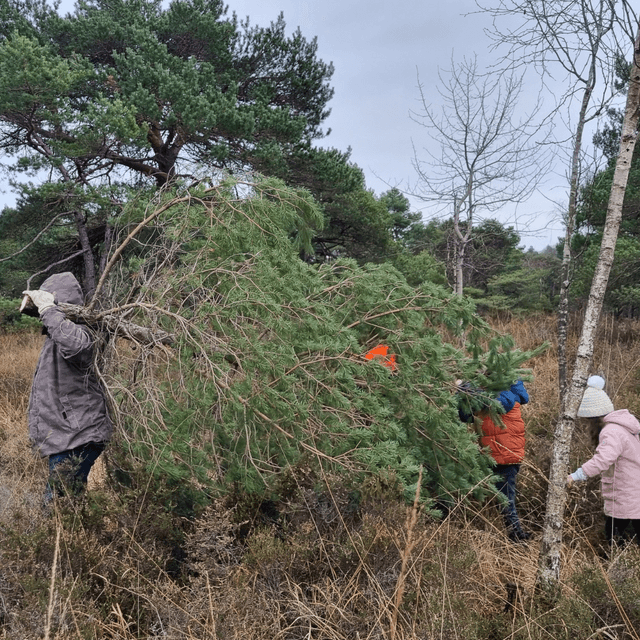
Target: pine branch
[116,324]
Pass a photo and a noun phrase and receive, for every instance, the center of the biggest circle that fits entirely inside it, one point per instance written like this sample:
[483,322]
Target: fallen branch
[116,324]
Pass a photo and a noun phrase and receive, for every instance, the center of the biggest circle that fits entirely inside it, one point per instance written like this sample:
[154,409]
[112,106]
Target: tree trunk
[461,240]
[106,247]
[549,561]
[565,279]
[89,279]
[459,284]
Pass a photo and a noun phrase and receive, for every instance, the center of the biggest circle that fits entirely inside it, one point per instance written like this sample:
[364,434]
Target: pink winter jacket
[617,460]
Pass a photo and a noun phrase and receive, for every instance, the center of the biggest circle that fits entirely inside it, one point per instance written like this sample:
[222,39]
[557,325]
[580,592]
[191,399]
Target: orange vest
[506,444]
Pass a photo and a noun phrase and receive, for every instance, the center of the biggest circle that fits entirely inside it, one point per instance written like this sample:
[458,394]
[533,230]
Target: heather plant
[267,369]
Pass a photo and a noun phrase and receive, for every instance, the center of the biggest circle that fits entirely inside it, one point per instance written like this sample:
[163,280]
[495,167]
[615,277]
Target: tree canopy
[134,94]
[623,293]
[133,86]
[119,96]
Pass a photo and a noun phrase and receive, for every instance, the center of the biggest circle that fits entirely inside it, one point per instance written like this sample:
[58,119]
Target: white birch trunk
[563,309]
[565,280]
[459,284]
[461,240]
[550,552]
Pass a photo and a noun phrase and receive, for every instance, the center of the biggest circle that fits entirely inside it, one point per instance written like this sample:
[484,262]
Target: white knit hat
[595,402]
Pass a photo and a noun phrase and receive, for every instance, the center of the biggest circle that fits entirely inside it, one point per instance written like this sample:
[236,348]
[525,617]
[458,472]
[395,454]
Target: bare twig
[55,264]
[118,252]
[52,585]
[26,246]
[116,325]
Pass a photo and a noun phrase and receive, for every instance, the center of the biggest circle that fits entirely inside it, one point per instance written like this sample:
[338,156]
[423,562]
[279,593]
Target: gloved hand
[42,299]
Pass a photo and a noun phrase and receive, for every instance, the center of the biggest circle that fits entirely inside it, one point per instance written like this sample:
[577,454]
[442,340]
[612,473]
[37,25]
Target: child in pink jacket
[616,461]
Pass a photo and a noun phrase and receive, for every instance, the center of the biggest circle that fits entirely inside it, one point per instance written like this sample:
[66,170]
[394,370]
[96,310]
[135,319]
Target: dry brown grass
[459,582]
[617,358]
[107,568]
[20,471]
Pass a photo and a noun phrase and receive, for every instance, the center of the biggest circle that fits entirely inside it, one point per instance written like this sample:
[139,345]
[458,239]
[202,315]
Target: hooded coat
[67,406]
[617,461]
[507,443]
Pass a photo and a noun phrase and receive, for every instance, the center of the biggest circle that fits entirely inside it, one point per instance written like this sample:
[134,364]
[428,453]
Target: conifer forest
[287,357]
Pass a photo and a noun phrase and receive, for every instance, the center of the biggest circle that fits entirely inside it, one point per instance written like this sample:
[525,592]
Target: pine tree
[268,370]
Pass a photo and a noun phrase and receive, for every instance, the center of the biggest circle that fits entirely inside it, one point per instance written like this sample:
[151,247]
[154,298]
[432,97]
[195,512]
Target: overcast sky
[377,48]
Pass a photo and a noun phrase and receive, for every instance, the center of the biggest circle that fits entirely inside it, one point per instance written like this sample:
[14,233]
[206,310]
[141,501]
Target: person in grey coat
[68,417]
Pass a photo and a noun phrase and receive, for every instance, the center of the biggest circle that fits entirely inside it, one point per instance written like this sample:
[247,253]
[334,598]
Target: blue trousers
[507,486]
[69,470]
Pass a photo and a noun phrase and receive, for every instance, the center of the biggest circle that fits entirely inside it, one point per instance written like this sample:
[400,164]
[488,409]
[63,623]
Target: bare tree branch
[581,39]
[26,246]
[55,264]
[115,323]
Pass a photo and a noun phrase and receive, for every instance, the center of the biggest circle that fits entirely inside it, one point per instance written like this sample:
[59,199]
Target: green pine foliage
[623,293]
[11,320]
[127,94]
[268,370]
[421,267]
[532,287]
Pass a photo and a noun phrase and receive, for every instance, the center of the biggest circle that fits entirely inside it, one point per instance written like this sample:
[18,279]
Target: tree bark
[565,279]
[550,553]
[461,240]
[106,247]
[89,280]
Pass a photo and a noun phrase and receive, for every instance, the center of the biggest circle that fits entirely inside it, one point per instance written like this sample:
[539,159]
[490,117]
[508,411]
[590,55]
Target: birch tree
[487,156]
[573,44]
[549,561]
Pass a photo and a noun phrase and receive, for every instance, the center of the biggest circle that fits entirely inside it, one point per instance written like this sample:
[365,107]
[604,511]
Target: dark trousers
[507,486]
[618,530]
[69,470]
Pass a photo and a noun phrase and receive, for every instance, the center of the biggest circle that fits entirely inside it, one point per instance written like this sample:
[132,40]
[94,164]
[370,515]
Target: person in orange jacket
[506,445]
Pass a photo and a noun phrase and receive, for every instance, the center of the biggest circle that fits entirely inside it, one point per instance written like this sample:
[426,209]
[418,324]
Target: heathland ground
[314,564]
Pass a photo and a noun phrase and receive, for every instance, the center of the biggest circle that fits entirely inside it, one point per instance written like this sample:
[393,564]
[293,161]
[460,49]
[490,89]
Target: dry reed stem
[54,571]
[405,555]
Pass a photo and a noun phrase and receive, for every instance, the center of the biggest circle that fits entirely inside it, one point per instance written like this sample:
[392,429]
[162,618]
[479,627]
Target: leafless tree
[575,44]
[487,154]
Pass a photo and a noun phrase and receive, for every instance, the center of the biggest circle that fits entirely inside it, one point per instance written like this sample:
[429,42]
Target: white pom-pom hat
[595,402]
